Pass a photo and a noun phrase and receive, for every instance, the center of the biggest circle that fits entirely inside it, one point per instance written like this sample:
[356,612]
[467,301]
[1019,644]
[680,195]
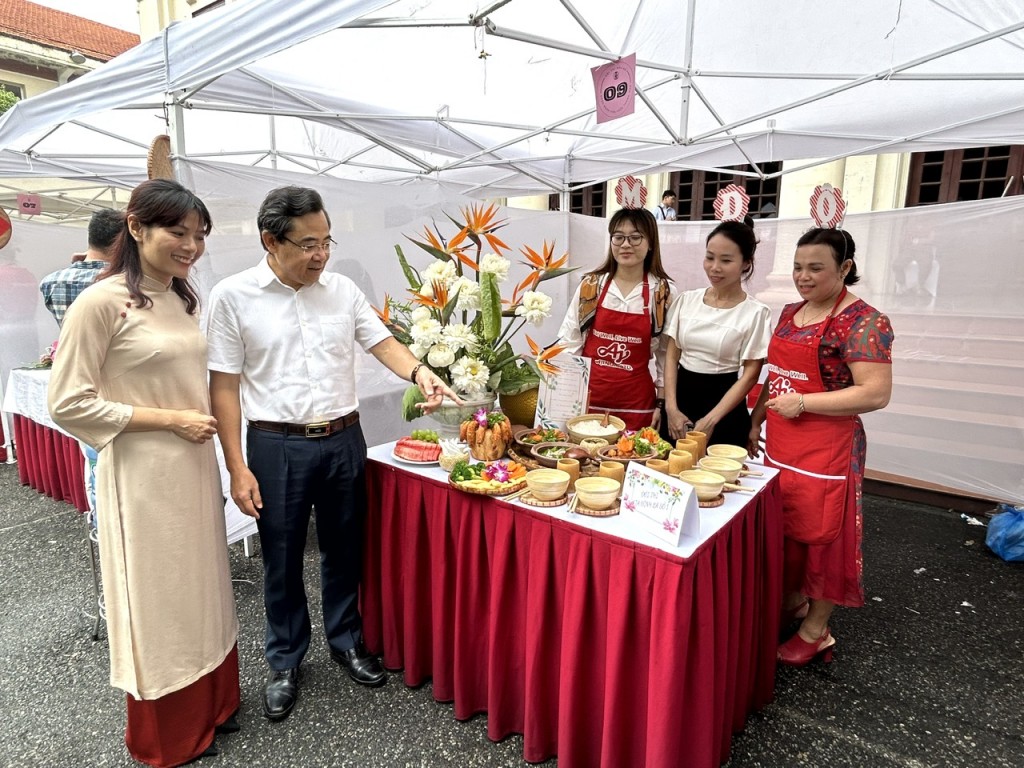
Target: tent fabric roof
[500,102]
[47,26]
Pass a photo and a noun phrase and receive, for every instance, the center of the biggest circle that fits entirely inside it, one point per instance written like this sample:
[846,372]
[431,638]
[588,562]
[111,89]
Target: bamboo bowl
[727,468]
[708,485]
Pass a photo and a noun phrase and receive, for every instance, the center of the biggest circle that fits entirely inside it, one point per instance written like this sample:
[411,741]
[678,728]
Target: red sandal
[797,652]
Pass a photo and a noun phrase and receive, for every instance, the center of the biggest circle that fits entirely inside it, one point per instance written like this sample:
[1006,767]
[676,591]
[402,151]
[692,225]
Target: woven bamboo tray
[488,492]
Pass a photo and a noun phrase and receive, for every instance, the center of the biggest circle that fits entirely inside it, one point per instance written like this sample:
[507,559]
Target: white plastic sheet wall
[950,277]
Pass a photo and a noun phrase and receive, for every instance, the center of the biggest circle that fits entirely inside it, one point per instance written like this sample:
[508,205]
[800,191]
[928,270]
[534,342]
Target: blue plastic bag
[1005,534]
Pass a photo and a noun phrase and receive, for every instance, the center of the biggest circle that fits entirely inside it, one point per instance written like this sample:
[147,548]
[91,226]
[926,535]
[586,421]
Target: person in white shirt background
[718,341]
[667,210]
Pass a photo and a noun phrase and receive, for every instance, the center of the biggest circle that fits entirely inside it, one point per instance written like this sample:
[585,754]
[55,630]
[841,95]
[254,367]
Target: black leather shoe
[361,665]
[280,693]
[230,725]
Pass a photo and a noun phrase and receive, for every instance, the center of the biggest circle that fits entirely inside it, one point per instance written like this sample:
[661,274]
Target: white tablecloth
[711,520]
[26,395]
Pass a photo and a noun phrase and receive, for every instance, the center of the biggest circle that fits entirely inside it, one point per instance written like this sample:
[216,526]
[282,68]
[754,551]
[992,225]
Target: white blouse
[714,340]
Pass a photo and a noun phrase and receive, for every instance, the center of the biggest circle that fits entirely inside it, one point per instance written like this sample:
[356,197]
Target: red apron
[813,452]
[619,347]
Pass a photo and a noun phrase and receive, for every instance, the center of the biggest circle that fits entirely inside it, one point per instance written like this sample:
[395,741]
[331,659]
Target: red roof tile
[46,26]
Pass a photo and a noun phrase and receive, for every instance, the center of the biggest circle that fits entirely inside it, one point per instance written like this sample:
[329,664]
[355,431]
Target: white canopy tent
[497,100]
[399,111]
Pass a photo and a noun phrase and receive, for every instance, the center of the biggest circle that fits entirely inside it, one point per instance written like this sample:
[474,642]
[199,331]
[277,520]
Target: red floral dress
[859,333]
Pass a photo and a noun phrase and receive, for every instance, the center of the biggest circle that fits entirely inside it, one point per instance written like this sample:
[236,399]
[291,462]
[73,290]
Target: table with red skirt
[597,642]
[49,460]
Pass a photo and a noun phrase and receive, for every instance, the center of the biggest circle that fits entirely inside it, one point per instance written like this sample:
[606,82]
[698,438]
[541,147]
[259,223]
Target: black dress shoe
[280,693]
[361,665]
[230,725]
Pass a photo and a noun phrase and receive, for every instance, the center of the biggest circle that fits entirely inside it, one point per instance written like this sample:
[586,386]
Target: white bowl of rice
[592,425]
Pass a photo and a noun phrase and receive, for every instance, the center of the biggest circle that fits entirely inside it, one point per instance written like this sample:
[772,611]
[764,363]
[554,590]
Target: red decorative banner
[5,228]
[732,203]
[615,88]
[30,205]
[828,209]
[630,192]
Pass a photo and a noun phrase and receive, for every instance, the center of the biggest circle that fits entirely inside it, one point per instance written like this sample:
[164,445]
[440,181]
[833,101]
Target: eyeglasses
[634,239]
[314,247]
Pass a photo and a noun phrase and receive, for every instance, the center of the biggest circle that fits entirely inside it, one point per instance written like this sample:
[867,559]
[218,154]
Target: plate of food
[421,447]
[635,446]
[492,478]
[548,454]
[527,438]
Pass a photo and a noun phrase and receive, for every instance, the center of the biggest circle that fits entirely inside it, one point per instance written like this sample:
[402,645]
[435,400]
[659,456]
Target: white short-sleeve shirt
[295,350]
[713,340]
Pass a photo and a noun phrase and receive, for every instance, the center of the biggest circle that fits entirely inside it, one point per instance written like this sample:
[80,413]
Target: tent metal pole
[684,112]
[176,128]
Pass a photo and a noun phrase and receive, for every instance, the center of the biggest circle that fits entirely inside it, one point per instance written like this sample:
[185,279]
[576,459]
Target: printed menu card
[659,504]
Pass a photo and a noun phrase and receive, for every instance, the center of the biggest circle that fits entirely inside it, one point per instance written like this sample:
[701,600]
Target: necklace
[814,318]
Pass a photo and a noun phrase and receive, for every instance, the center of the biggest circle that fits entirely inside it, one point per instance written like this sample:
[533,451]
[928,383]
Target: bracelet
[415,370]
[802,408]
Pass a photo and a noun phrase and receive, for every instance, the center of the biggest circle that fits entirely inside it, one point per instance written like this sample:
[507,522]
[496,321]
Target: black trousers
[698,393]
[297,474]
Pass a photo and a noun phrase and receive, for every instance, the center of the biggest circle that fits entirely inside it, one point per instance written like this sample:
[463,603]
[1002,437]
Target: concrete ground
[929,673]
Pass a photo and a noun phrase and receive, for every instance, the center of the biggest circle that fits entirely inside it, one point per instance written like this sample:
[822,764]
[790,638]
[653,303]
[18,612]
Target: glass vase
[448,416]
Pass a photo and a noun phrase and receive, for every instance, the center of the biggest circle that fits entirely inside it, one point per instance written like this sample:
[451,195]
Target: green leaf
[410,398]
[490,307]
[411,275]
[550,273]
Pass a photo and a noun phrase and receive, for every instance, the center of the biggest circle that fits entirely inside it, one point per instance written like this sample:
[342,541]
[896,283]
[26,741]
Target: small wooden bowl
[723,451]
[547,484]
[597,492]
[727,468]
[708,485]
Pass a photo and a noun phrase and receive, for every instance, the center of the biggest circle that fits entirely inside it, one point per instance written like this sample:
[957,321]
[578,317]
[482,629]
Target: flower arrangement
[456,320]
[46,359]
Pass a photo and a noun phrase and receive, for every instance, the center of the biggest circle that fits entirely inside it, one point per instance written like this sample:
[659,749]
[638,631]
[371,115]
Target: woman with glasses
[615,318]
[719,340]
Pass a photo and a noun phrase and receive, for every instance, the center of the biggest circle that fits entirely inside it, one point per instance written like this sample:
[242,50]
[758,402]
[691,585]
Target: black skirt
[698,393]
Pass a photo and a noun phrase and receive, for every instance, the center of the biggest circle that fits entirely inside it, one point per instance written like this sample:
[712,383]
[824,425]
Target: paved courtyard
[929,673]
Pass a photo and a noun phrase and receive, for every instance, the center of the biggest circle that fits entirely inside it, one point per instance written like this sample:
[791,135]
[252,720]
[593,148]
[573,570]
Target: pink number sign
[615,88]
[827,206]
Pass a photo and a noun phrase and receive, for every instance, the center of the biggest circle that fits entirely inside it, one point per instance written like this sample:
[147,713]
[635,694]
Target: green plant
[456,320]
[7,99]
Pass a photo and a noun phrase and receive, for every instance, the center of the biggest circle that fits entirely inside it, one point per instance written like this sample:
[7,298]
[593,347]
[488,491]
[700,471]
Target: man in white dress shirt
[667,210]
[282,338]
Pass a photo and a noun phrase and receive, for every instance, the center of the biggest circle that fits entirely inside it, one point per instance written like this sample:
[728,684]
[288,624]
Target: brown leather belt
[320,429]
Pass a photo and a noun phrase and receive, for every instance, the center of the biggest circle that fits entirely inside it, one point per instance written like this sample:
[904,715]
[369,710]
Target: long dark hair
[155,203]
[742,234]
[647,225]
[840,242]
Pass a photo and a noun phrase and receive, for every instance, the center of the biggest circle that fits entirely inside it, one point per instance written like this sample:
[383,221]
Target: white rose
[470,375]
[419,350]
[440,271]
[497,265]
[459,336]
[420,313]
[468,293]
[535,307]
[425,332]
[440,356]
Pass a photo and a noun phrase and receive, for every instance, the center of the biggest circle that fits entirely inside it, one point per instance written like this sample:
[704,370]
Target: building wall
[154,15]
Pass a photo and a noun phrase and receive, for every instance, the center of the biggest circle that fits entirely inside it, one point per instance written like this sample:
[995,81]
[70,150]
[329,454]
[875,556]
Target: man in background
[62,287]
[667,210]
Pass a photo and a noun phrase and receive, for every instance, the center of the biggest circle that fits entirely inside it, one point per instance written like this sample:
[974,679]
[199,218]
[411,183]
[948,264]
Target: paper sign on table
[565,394]
[661,505]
